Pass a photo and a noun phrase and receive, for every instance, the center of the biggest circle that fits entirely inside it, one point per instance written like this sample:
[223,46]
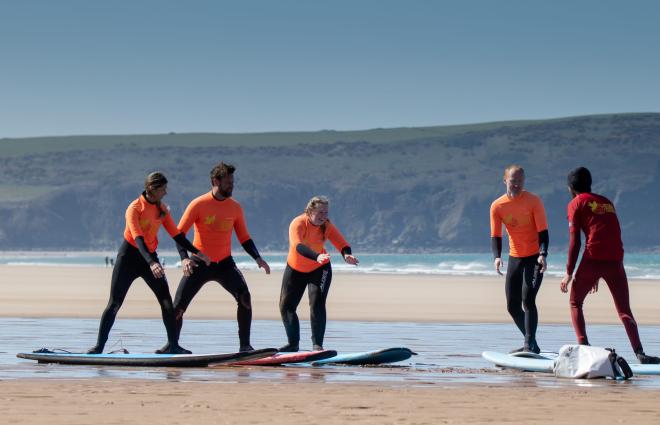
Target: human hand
[565,282]
[188,266]
[498,263]
[543,263]
[157,269]
[323,258]
[263,265]
[350,259]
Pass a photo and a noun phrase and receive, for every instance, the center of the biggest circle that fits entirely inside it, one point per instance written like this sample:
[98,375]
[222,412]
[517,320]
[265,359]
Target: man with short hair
[215,215]
[595,215]
[523,215]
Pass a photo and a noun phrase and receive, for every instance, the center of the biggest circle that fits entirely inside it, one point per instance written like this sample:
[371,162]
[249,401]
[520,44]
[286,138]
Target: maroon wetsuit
[603,258]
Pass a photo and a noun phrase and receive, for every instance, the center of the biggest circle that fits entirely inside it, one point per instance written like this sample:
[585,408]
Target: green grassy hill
[392,190]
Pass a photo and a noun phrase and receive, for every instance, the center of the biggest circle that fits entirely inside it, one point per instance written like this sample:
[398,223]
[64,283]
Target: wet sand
[82,292]
[138,402]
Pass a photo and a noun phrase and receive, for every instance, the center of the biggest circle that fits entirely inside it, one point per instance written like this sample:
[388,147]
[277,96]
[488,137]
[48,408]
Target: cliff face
[398,190]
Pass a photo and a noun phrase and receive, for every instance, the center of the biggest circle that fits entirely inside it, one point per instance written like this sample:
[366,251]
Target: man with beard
[214,216]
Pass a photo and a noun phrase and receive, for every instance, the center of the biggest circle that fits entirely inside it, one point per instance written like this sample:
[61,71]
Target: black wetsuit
[129,266]
[294,283]
[230,277]
[522,284]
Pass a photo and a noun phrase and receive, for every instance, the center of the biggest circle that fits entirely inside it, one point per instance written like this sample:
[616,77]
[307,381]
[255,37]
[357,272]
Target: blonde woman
[308,266]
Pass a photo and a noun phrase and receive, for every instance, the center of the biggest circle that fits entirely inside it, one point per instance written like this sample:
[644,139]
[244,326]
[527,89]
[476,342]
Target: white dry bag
[585,361]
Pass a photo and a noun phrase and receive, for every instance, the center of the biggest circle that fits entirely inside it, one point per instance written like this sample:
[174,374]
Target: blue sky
[128,67]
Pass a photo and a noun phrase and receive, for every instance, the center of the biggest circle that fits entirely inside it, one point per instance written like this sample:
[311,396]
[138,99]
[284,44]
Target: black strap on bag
[620,366]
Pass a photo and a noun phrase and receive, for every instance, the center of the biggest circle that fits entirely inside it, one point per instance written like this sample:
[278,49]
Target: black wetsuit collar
[144,195]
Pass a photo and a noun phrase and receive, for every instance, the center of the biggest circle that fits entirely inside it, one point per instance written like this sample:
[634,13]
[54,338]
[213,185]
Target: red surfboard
[284,358]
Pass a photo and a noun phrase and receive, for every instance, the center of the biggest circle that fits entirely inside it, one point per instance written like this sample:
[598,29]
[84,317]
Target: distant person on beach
[112,262]
[137,257]
[308,266]
[107,261]
[602,258]
[215,215]
[523,215]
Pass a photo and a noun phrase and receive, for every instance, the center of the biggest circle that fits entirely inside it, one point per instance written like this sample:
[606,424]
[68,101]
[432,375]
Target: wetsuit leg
[318,289]
[161,290]
[231,278]
[513,289]
[128,266]
[293,288]
[586,277]
[532,283]
[189,286]
[616,279]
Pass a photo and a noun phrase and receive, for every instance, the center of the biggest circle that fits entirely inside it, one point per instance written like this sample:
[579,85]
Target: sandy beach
[81,292]
[138,402]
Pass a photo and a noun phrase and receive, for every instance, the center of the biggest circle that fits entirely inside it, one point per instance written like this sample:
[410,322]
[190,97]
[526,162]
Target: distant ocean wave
[638,266]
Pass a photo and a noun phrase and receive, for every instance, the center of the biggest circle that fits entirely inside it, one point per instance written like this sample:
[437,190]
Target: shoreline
[77,292]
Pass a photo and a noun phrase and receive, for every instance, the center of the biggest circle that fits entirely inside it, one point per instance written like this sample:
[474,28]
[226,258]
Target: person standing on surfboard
[523,215]
[308,266]
[215,215]
[137,257]
[595,215]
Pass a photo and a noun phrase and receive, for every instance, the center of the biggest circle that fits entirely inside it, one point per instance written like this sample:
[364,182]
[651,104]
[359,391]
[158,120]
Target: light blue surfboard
[388,355]
[545,363]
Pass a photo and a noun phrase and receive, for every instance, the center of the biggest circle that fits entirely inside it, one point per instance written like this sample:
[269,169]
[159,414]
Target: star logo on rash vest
[145,224]
[512,221]
[599,209]
[209,220]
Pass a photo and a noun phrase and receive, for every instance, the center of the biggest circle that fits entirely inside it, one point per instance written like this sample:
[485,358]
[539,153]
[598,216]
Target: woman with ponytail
[137,257]
[308,266]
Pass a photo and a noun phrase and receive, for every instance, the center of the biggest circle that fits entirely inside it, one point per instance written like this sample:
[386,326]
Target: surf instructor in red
[523,215]
[595,215]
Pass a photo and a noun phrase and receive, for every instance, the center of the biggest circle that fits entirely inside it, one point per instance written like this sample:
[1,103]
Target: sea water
[638,265]
[447,353]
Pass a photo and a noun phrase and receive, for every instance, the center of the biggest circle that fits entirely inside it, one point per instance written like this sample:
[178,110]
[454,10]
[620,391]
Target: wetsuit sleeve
[183,245]
[495,222]
[133,221]
[251,249]
[169,225]
[544,241]
[306,252]
[336,238]
[346,251]
[574,244]
[188,218]
[496,246]
[574,241]
[241,228]
[144,251]
[539,216]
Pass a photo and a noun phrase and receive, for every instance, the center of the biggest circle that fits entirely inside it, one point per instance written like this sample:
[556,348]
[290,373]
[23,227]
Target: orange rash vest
[214,221]
[302,231]
[143,219]
[523,217]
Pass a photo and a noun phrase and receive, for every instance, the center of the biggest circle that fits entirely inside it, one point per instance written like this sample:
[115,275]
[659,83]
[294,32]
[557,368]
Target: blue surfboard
[545,363]
[385,356]
[148,360]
